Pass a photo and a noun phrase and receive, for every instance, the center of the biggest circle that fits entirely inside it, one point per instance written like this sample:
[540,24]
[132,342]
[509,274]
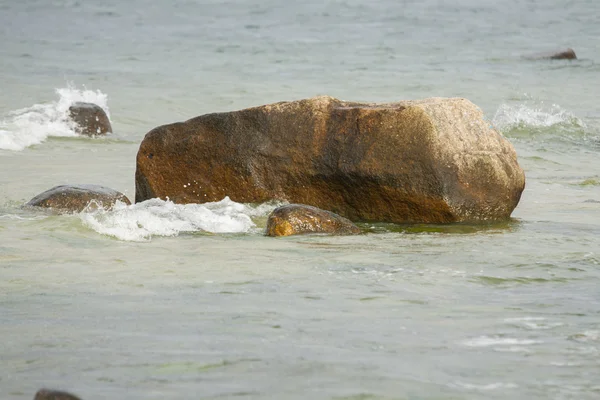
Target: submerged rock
[565,54]
[427,161]
[48,394]
[90,119]
[75,198]
[298,219]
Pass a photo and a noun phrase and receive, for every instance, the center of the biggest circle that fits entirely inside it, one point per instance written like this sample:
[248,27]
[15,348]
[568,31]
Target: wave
[486,341]
[156,217]
[523,116]
[33,125]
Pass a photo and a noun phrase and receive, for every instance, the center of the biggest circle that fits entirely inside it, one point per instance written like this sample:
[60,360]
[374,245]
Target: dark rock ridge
[435,160]
[75,198]
[47,394]
[565,54]
[90,118]
[298,219]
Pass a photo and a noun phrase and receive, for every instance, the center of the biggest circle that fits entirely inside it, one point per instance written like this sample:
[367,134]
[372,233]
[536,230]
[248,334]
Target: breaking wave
[156,217]
[524,116]
[33,125]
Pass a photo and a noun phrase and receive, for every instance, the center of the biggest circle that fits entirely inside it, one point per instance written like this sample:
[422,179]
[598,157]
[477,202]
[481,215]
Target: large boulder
[75,198]
[48,394]
[299,219]
[90,118]
[436,160]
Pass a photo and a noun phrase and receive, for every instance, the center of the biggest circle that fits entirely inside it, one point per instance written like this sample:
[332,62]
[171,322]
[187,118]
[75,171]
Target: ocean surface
[164,301]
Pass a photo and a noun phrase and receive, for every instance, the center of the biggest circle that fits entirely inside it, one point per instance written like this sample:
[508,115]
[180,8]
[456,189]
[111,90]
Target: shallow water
[160,301]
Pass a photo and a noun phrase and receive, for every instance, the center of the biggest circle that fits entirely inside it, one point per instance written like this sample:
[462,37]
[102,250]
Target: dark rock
[75,198]
[566,54]
[90,118]
[298,219]
[430,161]
[47,394]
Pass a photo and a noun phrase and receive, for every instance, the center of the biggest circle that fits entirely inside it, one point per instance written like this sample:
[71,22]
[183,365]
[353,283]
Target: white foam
[522,115]
[486,341]
[533,323]
[20,218]
[155,217]
[33,125]
[513,349]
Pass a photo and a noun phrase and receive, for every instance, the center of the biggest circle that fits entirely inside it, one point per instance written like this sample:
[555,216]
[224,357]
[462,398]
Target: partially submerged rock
[75,198]
[298,219]
[564,54]
[48,394]
[90,118]
[426,161]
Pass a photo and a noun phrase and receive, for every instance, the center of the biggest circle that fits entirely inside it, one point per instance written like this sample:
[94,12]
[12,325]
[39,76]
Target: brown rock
[431,161]
[75,198]
[566,54]
[47,394]
[90,118]
[298,219]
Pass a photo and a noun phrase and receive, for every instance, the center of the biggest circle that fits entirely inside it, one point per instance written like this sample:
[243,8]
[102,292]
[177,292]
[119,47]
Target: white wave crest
[33,125]
[525,115]
[486,341]
[156,217]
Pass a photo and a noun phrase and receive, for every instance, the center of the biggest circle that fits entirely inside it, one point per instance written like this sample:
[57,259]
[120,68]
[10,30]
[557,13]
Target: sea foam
[156,217]
[33,125]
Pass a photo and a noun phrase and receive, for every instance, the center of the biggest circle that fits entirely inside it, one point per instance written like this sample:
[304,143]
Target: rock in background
[47,394]
[426,161]
[565,54]
[90,119]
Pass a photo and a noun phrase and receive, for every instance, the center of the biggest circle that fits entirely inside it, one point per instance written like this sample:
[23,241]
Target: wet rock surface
[299,219]
[90,118]
[75,198]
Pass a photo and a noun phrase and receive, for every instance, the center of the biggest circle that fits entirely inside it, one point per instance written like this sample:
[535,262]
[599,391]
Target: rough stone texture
[90,119]
[47,394]
[566,54]
[428,161]
[75,198]
[298,219]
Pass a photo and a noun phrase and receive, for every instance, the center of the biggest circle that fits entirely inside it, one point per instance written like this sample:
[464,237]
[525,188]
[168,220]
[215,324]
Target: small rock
[48,394]
[75,198]
[298,219]
[90,119]
[566,54]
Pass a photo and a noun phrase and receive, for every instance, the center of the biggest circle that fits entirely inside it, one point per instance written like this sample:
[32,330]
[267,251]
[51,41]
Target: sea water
[159,300]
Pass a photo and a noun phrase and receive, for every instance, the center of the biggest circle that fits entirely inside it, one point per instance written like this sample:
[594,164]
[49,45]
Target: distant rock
[75,198]
[566,54]
[47,394]
[435,160]
[90,119]
[298,219]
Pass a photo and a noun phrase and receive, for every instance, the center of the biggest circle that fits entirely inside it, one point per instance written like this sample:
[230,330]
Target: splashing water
[524,115]
[156,217]
[33,125]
